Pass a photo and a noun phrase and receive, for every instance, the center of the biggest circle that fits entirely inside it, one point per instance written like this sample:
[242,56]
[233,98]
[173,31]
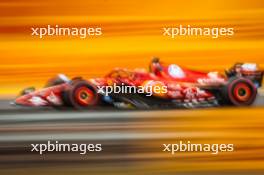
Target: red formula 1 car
[163,86]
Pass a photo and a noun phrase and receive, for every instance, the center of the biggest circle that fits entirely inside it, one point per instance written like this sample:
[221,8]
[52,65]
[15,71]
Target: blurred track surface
[132,140]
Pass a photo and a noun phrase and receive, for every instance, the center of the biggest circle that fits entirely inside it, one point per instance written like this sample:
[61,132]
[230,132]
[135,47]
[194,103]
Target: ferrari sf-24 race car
[162,86]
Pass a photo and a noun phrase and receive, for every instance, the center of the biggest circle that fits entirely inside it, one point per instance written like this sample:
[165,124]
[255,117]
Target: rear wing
[247,70]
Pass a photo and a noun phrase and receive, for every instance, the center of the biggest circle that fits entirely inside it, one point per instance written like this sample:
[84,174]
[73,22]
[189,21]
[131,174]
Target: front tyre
[81,94]
[240,91]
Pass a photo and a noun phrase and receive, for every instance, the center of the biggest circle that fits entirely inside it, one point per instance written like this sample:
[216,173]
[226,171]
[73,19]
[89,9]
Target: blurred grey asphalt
[132,140]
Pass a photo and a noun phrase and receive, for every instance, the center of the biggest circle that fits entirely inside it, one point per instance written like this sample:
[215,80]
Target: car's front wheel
[81,94]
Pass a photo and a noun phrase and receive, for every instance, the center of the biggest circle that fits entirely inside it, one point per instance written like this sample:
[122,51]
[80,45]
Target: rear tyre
[240,91]
[80,94]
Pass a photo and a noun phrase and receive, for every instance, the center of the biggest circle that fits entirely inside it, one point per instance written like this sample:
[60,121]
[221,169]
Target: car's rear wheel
[81,94]
[240,91]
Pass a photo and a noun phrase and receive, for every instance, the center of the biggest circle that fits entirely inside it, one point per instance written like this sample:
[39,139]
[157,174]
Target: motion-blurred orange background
[132,34]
